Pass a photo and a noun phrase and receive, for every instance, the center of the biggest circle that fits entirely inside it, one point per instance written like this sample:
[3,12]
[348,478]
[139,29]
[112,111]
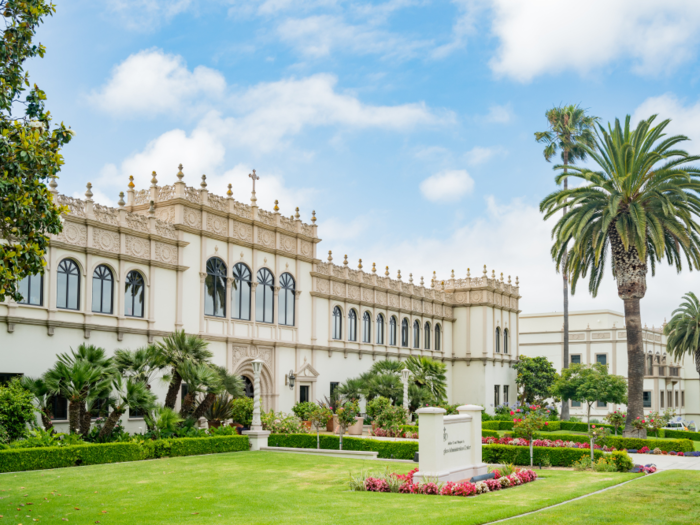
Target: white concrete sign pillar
[449,446]
[256,435]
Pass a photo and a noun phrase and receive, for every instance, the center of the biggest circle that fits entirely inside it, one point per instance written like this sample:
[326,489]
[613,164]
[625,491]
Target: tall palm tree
[638,209]
[430,374]
[683,330]
[178,348]
[569,129]
[42,397]
[127,393]
[231,383]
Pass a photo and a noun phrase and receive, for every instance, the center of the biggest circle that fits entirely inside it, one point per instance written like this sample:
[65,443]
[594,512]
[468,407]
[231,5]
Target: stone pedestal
[257,438]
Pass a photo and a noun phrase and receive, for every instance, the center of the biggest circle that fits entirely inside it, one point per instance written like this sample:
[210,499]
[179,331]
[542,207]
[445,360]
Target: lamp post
[257,367]
[405,374]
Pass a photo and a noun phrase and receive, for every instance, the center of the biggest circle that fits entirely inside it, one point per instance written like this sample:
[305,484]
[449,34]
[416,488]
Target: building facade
[600,337]
[250,282]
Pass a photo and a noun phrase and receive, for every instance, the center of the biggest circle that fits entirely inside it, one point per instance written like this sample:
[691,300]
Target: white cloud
[447,186]
[685,119]
[152,82]
[479,155]
[550,36]
[147,15]
[499,114]
[463,27]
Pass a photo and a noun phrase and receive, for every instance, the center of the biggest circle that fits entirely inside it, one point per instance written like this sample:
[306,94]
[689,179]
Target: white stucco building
[599,337]
[166,260]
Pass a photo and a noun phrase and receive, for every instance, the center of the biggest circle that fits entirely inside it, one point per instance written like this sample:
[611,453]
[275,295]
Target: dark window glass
[352,325]
[392,331]
[68,284]
[102,286]
[576,404]
[133,294]
[240,295]
[661,399]
[366,328]
[575,359]
[404,332]
[337,323]
[334,385]
[496,395]
[416,334]
[286,300]
[7,377]
[498,340]
[683,398]
[59,407]
[135,413]
[215,288]
[505,340]
[426,329]
[183,391]
[32,290]
[99,408]
[264,297]
[249,388]
[505,394]
[380,329]
[438,335]
[303,393]
[646,400]
[600,404]
[601,359]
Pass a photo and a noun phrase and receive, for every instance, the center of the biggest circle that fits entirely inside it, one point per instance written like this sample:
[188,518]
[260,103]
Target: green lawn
[666,497]
[260,487]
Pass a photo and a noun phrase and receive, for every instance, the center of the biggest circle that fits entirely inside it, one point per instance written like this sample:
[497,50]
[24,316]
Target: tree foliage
[683,330]
[535,378]
[29,150]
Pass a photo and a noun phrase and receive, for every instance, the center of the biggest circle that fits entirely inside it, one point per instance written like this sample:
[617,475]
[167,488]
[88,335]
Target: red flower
[545,424]
[511,412]
[592,426]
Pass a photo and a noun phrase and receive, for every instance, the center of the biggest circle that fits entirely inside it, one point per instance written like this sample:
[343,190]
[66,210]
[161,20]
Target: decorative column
[256,435]
[405,374]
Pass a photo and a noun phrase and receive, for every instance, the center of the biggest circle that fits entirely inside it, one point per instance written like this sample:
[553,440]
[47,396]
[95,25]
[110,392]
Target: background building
[168,258]
[599,337]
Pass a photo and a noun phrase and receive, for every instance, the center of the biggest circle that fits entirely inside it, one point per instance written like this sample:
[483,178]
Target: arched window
[337,323]
[416,334]
[352,325]
[240,295]
[286,299]
[68,296]
[426,328]
[438,335]
[102,286]
[366,328]
[32,290]
[498,340]
[404,332]
[264,297]
[215,288]
[392,331]
[505,340]
[380,329]
[133,295]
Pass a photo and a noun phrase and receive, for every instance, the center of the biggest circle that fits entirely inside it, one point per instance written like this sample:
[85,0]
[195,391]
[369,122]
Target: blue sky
[407,125]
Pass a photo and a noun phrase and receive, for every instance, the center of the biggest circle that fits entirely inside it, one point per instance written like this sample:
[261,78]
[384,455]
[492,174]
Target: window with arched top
[264,297]
[102,288]
[416,334]
[68,285]
[352,325]
[438,336]
[426,329]
[392,331]
[286,300]
[366,328]
[380,329]
[337,323]
[240,295]
[404,332]
[505,341]
[215,288]
[498,340]
[133,294]
[32,290]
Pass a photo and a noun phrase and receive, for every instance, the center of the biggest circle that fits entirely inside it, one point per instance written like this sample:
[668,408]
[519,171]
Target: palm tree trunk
[186,408]
[46,418]
[173,390]
[204,405]
[74,416]
[85,420]
[565,402]
[111,422]
[635,365]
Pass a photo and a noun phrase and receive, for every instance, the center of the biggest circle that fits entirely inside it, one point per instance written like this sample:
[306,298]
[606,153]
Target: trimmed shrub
[15,460]
[557,457]
[622,461]
[386,449]
[490,425]
[242,411]
[667,445]
[212,445]
[489,434]
[16,409]
[576,438]
[409,428]
[110,453]
[552,426]
[681,434]
[581,427]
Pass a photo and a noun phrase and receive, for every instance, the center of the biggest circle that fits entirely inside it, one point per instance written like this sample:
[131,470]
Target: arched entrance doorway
[249,391]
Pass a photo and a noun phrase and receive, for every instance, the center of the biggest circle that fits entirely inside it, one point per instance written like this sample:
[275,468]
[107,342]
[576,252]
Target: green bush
[576,438]
[377,405]
[15,460]
[489,433]
[681,434]
[409,428]
[213,445]
[386,449]
[552,426]
[622,461]
[490,425]
[580,427]
[110,453]
[303,410]
[16,409]
[242,411]
[667,445]
[558,457]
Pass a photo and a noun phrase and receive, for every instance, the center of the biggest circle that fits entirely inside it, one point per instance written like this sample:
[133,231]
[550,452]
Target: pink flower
[592,426]
[511,412]
[545,424]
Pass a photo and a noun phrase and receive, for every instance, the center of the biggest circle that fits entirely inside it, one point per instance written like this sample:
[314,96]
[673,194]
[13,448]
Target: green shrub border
[19,459]
[681,434]
[385,449]
[558,457]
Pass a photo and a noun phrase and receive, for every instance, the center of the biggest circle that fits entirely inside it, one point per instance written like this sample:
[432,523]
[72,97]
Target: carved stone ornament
[265,237]
[137,247]
[393,300]
[339,289]
[306,248]
[105,240]
[321,285]
[287,243]
[353,292]
[74,234]
[166,214]
[193,218]
[217,224]
[166,253]
[380,297]
[366,294]
[244,353]
[476,297]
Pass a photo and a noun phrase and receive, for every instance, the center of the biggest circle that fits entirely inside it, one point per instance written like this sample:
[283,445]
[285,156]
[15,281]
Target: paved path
[667,462]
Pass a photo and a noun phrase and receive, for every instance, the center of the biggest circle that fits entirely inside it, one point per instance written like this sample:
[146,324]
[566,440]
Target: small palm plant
[126,393]
[42,396]
[683,330]
[177,349]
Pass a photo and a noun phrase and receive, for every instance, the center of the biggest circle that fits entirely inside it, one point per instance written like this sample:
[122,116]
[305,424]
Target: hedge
[386,449]
[581,427]
[667,445]
[558,457]
[497,425]
[17,459]
[682,434]
[490,434]
[409,428]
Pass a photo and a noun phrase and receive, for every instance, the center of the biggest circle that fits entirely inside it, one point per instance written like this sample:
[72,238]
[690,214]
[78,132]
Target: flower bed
[403,484]
[558,443]
[658,451]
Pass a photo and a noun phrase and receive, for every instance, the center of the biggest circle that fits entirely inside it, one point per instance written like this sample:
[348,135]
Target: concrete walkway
[667,462]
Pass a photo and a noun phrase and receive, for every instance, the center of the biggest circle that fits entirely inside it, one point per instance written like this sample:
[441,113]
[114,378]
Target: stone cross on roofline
[255,177]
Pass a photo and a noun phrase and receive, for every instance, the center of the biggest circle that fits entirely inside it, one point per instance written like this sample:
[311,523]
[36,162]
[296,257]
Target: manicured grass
[665,497]
[261,487]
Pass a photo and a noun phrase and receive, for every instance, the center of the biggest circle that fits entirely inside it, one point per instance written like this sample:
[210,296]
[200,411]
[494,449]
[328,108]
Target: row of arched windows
[68,289]
[215,293]
[506,342]
[337,330]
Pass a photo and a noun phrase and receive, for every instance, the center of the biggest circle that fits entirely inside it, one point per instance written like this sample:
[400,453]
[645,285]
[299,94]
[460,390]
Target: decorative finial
[485,272]
[88,193]
[469,273]
[345,261]
[53,184]
[421,281]
[277,208]
[387,271]
[313,216]
[204,182]
[453,274]
[509,279]
[442,283]
[516,280]
[330,256]
[121,199]
[296,215]
[360,263]
[501,276]
[254,177]
[154,180]
[180,175]
[493,274]
[398,276]
[152,209]
[131,182]
[230,191]
[374,268]
[410,278]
